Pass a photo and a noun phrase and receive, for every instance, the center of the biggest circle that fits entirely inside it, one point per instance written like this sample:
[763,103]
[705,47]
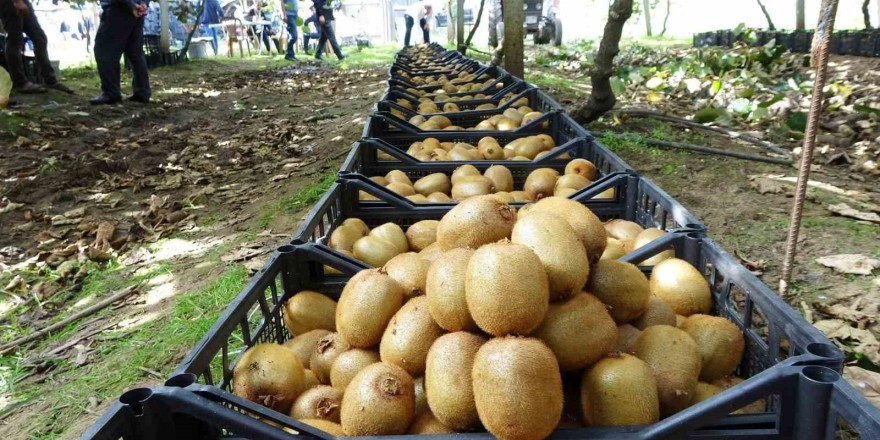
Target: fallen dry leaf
[844,210]
[866,342]
[867,382]
[764,186]
[850,263]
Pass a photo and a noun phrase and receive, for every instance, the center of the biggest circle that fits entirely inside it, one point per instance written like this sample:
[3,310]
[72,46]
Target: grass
[368,57]
[298,200]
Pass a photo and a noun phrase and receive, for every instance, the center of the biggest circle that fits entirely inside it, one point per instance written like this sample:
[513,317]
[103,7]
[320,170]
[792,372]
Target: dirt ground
[214,173]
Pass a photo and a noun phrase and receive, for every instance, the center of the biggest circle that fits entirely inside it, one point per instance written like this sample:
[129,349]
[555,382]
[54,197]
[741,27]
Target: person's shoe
[290,58]
[341,57]
[60,87]
[319,57]
[138,98]
[30,88]
[103,99]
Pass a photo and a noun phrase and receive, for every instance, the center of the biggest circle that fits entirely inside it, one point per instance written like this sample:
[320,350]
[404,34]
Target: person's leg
[306,38]
[110,42]
[291,36]
[409,25]
[134,49]
[266,42]
[331,37]
[425,34]
[13,24]
[319,52]
[35,32]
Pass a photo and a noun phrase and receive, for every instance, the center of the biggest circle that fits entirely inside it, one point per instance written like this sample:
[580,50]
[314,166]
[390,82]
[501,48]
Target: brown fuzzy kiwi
[358,224]
[417,198]
[520,196]
[398,177]
[448,382]
[431,253]
[547,142]
[347,365]
[368,301]
[472,186]
[343,237]
[681,286]
[401,189]
[623,229]
[380,400]
[383,181]
[626,339]
[427,424]
[621,286]
[394,234]
[464,171]
[439,198]
[490,151]
[374,251]
[502,304]
[657,313]
[721,344]
[475,221]
[588,227]
[728,382]
[581,167]
[571,182]
[409,336]
[556,244]
[619,390]
[704,391]
[410,271]
[445,290]
[303,345]
[517,388]
[325,352]
[421,396]
[320,402]
[307,311]
[647,236]
[675,360]
[332,428]
[504,197]
[613,250]
[529,147]
[435,182]
[269,374]
[421,234]
[501,177]
[579,331]
[540,183]
[679,320]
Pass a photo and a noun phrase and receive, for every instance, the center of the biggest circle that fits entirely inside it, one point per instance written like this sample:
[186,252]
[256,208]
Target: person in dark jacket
[121,31]
[18,19]
[291,10]
[324,12]
[313,20]
[212,15]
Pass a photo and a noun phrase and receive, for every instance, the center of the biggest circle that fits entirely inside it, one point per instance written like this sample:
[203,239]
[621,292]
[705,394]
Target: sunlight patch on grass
[298,200]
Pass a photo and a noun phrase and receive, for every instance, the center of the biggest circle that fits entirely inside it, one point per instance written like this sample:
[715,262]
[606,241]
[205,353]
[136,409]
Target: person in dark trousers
[313,20]
[121,31]
[291,10]
[18,19]
[324,12]
[419,12]
[212,15]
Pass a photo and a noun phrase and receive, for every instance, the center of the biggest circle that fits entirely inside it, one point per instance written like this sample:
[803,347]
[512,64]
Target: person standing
[121,31]
[307,30]
[419,12]
[212,15]
[291,10]
[324,12]
[18,19]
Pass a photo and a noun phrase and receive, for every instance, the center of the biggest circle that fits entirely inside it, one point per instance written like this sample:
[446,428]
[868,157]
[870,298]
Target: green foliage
[299,199]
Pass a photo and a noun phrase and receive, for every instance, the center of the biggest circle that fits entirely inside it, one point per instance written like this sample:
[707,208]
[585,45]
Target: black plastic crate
[491,87]
[388,127]
[538,101]
[452,71]
[704,39]
[394,93]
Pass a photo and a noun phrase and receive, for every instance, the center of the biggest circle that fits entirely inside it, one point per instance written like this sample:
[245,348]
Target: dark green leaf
[797,121]
[866,109]
[707,114]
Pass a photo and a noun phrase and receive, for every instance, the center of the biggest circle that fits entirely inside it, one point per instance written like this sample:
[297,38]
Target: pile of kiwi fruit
[427,106]
[467,181]
[510,119]
[515,323]
[524,148]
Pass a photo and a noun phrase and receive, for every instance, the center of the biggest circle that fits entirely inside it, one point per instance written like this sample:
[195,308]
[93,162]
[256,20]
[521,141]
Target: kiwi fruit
[569,184]
[721,344]
[728,382]
[548,143]
[679,320]
[647,236]
[464,171]
[448,384]
[619,390]
[445,290]
[347,365]
[311,379]
[475,221]
[501,177]
[393,234]
[623,229]
[320,402]
[491,151]
[588,227]
[513,115]
[325,352]
[674,358]
[506,124]
[540,183]
[431,253]
[517,388]
[520,196]
[374,251]
[344,237]
[408,337]
[529,117]
[657,313]
[367,303]
[427,424]
[504,196]
[502,304]
[621,286]
[704,391]
[626,338]
[581,167]
[421,396]
[439,198]
[303,344]
[397,176]
[332,428]
[358,224]
[308,310]
[613,250]
[435,182]
[417,198]
[681,286]
[556,244]
[387,391]
[269,374]
[383,181]
[471,186]
[528,147]
[421,234]
[409,270]
[579,331]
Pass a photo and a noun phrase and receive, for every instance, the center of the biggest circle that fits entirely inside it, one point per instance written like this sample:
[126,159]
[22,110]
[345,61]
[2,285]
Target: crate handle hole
[827,351]
[135,398]
[286,249]
[181,380]
[819,374]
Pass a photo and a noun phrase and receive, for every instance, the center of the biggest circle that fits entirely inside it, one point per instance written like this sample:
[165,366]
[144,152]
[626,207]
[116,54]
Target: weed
[298,200]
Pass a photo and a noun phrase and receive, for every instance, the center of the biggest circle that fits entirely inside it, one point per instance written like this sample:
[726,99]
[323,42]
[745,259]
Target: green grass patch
[298,200]
[368,57]
[550,81]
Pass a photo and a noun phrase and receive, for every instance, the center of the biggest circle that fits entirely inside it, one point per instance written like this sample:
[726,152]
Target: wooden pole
[459,26]
[513,37]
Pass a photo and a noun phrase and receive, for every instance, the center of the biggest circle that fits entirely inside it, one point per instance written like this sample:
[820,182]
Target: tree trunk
[666,18]
[767,16]
[199,11]
[459,25]
[513,37]
[450,22]
[866,14]
[470,36]
[164,27]
[799,16]
[602,96]
[647,8]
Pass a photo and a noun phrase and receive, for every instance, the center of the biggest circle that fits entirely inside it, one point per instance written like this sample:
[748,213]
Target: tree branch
[666,18]
[866,14]
[473,31]
[767,16]
[602,96]
[199,12]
